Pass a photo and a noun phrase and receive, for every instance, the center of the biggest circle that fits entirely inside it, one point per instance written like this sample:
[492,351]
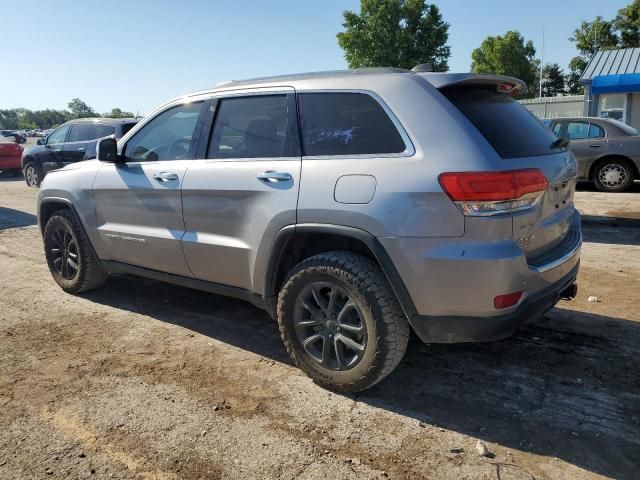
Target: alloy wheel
[31,175]
[330,326]
[64,253]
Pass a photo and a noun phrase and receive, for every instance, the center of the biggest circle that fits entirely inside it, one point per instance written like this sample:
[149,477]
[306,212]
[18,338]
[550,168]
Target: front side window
[556,128]
[58,135]
[577,130]
[251,127]
[168,136]
[344,123]
[595,131]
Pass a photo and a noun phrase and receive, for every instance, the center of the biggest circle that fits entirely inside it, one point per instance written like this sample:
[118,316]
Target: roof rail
[423,67]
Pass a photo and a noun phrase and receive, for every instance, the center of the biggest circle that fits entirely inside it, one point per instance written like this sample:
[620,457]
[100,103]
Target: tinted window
[166,137]
[126,127]
[99,130]
[595,131]
[58,136]
[346,124]
[79,133]
[509,127]
[577,130]
[251,127]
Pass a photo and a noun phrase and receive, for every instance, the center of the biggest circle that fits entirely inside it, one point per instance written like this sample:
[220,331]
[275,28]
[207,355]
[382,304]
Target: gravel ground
[145,380]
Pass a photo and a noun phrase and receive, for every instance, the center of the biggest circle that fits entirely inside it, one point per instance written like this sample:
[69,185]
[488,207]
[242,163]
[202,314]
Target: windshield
[510,128]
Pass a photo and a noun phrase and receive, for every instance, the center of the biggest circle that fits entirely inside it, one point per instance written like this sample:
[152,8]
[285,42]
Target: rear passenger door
[244,190]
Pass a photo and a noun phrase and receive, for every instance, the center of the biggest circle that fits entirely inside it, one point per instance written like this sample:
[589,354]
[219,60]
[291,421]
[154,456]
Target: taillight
[494,193]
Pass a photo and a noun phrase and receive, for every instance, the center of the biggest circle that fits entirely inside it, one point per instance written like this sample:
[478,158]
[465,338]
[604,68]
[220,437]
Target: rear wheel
[613,175]
[341,322]
[32,174]
[71,260]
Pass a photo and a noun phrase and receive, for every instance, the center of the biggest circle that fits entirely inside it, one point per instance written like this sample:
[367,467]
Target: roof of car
[104,120]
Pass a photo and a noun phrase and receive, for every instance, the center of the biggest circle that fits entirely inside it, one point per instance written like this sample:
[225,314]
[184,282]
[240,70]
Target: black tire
[32,174]
[384,329]
[613,175]
[61,256]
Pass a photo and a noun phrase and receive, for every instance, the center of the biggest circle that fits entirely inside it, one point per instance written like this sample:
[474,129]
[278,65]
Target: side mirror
[40,141]
[107,150]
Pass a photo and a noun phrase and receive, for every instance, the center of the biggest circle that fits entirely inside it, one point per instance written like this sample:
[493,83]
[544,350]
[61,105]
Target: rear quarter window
[510,128]
[344,123]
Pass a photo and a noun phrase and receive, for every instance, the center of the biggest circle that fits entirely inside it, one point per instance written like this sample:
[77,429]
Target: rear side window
[509,127]
[99,130]
[345,123]
[251,127]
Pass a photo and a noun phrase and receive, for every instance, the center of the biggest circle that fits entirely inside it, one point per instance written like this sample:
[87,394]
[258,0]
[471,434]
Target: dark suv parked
[71,142]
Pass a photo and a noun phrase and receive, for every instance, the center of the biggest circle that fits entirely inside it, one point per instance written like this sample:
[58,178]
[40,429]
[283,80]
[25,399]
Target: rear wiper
[559,143]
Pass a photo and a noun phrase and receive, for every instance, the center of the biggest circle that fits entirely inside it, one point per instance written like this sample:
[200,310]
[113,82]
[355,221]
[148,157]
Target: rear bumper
[457,329]
[453,282]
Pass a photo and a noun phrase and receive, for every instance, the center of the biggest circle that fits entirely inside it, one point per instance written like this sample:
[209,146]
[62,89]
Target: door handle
[273,177]
[595,146]
[165,176]
[81,149]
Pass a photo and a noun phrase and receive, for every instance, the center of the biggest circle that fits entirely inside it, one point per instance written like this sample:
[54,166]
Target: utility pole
[541,63]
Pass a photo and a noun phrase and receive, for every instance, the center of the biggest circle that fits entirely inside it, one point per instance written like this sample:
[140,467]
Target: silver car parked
[353,206]
[607,150]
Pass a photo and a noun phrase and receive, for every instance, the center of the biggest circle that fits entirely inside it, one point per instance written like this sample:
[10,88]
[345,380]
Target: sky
[136,54]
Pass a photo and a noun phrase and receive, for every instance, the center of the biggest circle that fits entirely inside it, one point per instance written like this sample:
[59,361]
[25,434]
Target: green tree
[395,33]
[118,113]
[507,55]
[79,109]
[553,80]
[590,37]
[576,67]
[627,23]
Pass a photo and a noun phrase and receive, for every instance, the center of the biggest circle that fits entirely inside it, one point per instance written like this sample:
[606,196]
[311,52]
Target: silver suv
[352,206]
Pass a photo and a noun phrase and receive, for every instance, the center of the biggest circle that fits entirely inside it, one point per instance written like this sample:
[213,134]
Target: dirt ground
[145,380]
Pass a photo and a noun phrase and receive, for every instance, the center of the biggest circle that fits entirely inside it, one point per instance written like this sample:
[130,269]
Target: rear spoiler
[504,84]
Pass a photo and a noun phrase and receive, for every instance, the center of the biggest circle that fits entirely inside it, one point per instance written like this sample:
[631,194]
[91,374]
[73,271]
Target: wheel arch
[605,158]
[294,243]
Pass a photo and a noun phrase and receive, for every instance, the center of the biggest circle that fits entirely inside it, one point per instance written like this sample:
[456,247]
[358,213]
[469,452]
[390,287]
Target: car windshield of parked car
[509,127]
[127,126]
[166,137]
[58,136]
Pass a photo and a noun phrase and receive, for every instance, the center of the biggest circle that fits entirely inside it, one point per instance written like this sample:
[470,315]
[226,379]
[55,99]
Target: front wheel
[341,322]
[614,175]
[32,174]
[71,260]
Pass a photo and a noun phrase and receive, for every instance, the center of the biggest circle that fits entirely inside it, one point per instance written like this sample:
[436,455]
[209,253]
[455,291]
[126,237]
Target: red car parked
[10,155]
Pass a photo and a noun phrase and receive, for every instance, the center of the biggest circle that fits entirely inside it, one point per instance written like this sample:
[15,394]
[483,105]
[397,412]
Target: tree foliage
[118,113]
[79,109]
[23,118]
[395,33]
[627,23]
[553,80]
[590,37]
[576,67]
[507,55]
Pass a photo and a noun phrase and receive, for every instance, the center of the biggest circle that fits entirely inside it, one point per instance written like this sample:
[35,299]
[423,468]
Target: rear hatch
[522,142]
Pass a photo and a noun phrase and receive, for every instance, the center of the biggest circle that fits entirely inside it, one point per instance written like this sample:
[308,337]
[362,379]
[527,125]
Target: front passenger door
[138,201]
